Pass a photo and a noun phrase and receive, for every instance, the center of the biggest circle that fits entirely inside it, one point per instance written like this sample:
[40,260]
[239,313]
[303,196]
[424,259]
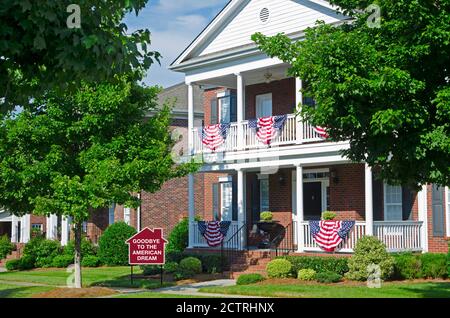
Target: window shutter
[408,197]
[438,211]
[214,114]
[377,199]
[235,203]
[215,199]
[233,109]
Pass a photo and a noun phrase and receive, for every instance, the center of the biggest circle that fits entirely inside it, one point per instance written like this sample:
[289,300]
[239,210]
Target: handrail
[284,242]
[232,248]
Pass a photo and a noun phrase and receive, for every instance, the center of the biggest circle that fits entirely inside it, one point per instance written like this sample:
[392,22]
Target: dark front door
[438,210]
[312,200]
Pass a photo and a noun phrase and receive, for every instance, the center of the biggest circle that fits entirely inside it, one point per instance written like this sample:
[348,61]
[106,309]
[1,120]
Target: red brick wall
[435,244]
[208,95]
[209,180]
[34,219]
[283,97]
[97,224]
[280,196]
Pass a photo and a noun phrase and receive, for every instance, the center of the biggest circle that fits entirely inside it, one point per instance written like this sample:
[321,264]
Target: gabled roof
[146,233]
[223,18]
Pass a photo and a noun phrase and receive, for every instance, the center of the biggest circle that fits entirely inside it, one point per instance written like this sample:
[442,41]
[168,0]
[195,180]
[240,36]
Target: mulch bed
[77,293]
[293,281]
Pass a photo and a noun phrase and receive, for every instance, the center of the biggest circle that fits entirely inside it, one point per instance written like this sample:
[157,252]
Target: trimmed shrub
[211,264]
[179,237]
[91,261]
[328,277]
[368,251]
[434,265]
[279,268]
[171,267]
[266,216]
[87,248]
[306,274]
[190,266]
[407,266]
[26,263]
[112,249]
[12,265]
[6,247]
[248,279]
[62,261]
[42,251]
[338,265]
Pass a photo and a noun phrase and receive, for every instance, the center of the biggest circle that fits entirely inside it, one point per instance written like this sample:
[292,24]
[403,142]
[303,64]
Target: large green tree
[385,87]
[40,51]
[75,153]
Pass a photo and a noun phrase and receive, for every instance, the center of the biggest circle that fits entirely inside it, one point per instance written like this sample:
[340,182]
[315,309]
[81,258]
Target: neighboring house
[301,174]
[163,209]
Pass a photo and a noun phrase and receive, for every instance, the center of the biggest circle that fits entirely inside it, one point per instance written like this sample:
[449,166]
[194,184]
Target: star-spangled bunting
[329,234]
[267,128]
[214,232]
[213,136]
[322,132]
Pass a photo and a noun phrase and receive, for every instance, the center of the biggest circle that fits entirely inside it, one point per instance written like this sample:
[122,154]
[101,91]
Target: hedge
[112,249]
[248,279]
[318,264]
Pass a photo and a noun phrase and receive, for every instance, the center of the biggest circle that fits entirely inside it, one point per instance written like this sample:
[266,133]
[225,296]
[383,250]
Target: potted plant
[328,216]
[270,227]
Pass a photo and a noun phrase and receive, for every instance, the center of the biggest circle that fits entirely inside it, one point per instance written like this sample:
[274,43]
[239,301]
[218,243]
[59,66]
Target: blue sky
[173,24]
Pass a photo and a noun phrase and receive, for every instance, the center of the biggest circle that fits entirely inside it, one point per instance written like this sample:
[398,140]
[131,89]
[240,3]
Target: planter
[272,231]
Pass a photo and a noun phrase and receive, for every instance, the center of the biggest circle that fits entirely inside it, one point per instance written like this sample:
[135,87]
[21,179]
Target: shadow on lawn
[15,292]
[435,290]
[138,282]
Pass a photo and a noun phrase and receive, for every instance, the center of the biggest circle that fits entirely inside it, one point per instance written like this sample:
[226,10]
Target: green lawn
[153,295]
[14,291]
[388,290]
[102,276]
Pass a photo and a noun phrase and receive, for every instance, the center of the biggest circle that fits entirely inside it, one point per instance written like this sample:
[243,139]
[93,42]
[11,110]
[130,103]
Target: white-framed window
[264,201]
[448,210]
[111,214]
[264,105]
[393,203]
[37,227]
[127,215]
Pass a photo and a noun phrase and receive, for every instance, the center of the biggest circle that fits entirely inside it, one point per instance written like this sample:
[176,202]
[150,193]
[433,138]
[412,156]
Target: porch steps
[250,262]
[16,254]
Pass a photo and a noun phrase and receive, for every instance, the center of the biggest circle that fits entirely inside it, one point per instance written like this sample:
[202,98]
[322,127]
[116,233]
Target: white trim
[368,199]
[225,179]
[191,200]
[422,198]
[447,208]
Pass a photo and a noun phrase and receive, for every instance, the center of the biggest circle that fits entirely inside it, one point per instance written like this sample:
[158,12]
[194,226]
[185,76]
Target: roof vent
[264,15]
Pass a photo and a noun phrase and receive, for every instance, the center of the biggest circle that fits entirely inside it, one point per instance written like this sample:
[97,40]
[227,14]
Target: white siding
[288,16]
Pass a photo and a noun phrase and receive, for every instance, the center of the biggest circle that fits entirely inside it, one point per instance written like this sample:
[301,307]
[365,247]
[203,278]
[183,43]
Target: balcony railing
[200,241]
[400,236]
[294,132]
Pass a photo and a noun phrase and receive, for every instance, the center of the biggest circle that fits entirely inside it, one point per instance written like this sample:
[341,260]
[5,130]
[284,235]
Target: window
[127,215]
[264,105]
[227,201]
[264,195]
[393,203]
[111,214]
[37,227]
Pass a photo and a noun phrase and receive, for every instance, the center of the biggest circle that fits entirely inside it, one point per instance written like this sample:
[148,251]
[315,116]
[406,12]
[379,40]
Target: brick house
[300,174]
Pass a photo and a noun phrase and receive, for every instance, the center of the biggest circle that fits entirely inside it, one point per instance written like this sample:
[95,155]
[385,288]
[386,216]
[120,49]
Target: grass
[102,276]
[154,295]
[15,291]
[298,290]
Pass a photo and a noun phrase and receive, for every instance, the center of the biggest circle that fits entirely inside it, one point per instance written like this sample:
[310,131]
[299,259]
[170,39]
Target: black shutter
[256,208]
[234,200]
[233,109]
[214,115]
[408,198]
[438,210]
[215,198]
[378,201]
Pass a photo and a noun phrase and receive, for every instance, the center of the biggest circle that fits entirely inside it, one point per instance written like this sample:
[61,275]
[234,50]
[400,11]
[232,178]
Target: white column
[300,211]
[240,109]
[191,210]
[25,231]
[52,227]
[298,102]
[423,217]
[14,229]
[241,205]
[369,200]
[191,118]
[65,231]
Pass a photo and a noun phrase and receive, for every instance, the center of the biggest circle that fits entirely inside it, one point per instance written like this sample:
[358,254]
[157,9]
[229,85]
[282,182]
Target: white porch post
[25,232]
[190,118]
[65,231]
[298,101]
[240,109]
[52,227]
[423,217]
[241,204]
[300,211]
[369,200]
[14,232]
[191,210]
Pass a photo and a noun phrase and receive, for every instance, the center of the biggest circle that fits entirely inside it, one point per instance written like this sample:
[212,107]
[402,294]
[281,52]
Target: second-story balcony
[294,132]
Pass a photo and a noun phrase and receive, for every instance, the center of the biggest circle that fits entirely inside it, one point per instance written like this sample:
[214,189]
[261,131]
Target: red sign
[147,248]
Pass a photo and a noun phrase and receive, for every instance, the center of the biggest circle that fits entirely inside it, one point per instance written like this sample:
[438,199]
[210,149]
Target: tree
[39,51]
[72,154]
[385,89]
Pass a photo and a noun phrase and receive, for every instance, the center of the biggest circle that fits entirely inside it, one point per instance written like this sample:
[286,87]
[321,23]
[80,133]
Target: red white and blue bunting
[322,132]
[214,232]
[213,136]
[329,234]
[267,128]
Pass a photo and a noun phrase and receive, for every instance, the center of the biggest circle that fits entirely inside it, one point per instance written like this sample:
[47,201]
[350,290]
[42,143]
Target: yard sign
[147,247]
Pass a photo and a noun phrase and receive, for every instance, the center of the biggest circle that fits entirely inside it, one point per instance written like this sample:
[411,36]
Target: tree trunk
[77,258]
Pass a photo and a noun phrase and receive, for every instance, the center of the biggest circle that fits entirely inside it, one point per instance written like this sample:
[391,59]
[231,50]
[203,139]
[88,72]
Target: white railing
[200,241]
[400,236]
[294,132]
[347,246]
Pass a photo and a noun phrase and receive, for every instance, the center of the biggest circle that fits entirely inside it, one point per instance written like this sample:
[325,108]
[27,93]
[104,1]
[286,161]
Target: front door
[312,200]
